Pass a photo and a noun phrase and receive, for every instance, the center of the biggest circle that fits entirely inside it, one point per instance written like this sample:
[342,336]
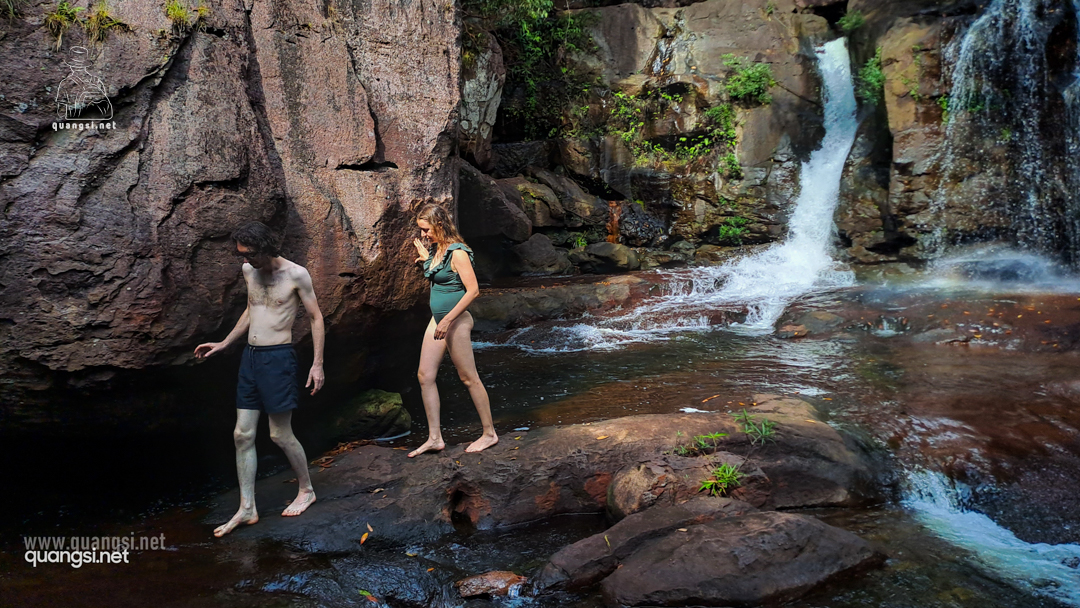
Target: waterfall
[765,283]
[1000,89]
[1038,568]
[1072,139]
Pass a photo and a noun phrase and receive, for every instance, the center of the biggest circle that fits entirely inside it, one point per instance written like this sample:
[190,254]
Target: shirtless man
[267,381]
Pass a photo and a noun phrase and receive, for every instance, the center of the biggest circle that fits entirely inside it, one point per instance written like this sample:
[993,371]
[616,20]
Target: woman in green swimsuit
[453,288]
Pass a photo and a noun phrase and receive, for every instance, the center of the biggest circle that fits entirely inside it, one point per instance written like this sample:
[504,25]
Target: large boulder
[537,256]
[609,257]
[485,210]
[482,81]
[370,415]
[582,207]
[738,561]
[541,205]
[114,248]
[591,559]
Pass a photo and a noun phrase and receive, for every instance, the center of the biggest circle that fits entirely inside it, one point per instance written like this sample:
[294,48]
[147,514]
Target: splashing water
[764,284]
[1039,568]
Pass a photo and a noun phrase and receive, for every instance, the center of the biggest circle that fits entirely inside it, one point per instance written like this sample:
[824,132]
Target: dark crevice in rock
[253,82]
[370,165]
[831,12]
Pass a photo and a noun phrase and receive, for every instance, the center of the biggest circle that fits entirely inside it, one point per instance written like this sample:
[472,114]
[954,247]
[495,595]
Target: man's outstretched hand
[316,377]
[209,349]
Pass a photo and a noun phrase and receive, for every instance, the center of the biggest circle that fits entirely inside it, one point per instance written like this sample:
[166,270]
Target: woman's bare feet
[430,445]
[484,442]
[298,506]
[243,516]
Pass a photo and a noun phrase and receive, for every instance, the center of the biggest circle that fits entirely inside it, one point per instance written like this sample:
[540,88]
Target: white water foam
[764,284]
[1039,568]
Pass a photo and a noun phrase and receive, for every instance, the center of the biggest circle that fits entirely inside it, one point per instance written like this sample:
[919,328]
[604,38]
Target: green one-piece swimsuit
[446,286]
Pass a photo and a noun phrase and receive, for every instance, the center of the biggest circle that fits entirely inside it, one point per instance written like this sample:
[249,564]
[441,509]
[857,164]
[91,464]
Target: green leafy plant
[59,20]
[731,231]
[578,240]
[870,85]
[943,103]
[731,166]
[100,21]
[770,8]
[750,82]
[851,21]
[723,479]
[705,442]
[759,432]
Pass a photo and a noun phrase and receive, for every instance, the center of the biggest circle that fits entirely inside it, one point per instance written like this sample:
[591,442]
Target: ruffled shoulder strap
[430,270]
[461,246]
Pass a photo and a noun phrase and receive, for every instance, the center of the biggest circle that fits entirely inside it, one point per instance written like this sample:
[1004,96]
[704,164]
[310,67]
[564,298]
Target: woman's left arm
[459,263]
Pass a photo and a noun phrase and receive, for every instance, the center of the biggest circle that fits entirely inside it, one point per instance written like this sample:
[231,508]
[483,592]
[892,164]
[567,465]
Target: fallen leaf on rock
[607,541]
[602,437]
[401,448]
[293,480]
[412,554]
[363,539]
[377,490]
[827,398]
[682,529]
[708,398]
[430,569]
[518,437]
[814,421]
[369,528]
[323,461]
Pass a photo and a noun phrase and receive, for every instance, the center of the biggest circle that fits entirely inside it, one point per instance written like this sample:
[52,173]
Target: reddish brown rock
[738,561]
[500,582]
[591,559]
[335,125]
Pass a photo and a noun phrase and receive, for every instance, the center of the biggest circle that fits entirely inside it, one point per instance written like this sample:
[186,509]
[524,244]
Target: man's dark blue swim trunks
[267,380]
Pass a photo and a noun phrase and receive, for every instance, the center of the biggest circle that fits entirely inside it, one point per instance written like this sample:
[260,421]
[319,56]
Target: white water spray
[1039,568]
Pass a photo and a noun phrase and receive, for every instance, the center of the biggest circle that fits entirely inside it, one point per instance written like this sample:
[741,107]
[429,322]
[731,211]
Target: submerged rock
[491,583]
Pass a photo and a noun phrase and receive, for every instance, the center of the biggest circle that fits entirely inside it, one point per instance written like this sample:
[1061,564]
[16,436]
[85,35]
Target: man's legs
[282,434]
[247,421]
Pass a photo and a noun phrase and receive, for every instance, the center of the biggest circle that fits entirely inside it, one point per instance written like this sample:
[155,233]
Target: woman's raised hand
[421,250]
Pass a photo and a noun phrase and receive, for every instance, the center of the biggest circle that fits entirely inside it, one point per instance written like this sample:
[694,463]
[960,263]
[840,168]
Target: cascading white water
[764,283]
[1000,90]
[1039,568]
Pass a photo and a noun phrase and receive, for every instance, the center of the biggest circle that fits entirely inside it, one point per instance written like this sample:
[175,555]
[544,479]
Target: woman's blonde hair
[443,230]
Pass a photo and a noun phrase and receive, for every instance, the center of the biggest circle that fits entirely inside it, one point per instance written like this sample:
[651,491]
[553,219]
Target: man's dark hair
[257,236]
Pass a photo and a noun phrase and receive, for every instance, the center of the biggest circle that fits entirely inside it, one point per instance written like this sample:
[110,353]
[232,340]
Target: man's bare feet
[429,446]
[243,516]
[483,443]
[298,506]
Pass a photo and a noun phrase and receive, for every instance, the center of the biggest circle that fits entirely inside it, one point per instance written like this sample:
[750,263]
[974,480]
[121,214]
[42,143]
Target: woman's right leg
[431,355]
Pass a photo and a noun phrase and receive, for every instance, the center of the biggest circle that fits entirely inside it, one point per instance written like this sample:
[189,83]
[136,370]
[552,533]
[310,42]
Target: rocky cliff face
[973,134]
[329,121]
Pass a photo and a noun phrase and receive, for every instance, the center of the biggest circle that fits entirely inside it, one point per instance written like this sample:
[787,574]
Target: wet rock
[591,559]
[685,248]
[491,583]
[819,322]
[500,309]
[672,480]
[485,210]
[738,561]
[372,414]
[410,500]
[651,258]
[609,257]
[537,256]
[792,331]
